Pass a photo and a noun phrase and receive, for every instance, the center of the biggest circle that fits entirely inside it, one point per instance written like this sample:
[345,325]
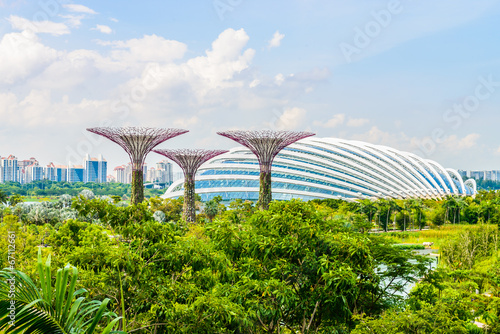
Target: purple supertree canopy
[189,159]
[265,144]
[137,141]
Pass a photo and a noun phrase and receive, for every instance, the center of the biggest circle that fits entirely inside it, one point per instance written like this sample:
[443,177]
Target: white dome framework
[321,168]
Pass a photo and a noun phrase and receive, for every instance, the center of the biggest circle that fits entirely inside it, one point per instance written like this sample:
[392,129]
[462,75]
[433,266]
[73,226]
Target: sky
[420,76]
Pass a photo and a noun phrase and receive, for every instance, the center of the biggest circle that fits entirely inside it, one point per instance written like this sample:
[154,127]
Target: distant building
[76,173]
[123,174]
[95,169]
[33,172]
[9,169]
[61,173]
[120,174]
[57,173]
[111,178]
[486,175]
[161,174]
[22,166]
[50,172]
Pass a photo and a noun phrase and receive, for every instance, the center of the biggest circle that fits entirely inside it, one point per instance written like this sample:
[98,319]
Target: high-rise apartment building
[96,169]
[76,173]
[9,169]
[120,174]
[161,174]
[33,172]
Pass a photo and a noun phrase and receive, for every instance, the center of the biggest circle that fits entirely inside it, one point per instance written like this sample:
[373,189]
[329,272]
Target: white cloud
[254,83]
[149,48]
[73,20]
[79,9]
[333,122]
[48,27]
[467,142]
[279,79]
[185,122]
[21,54]
[357,122]
[276,40]
[291,119]
[113,19]
[104,29]
[139,81]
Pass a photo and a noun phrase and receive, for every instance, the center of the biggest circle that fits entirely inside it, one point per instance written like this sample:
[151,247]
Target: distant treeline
[52,188]
[487,184]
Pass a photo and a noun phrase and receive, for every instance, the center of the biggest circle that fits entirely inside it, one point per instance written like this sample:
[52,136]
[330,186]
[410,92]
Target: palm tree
[461,204]
[395,208]
[382,206]
[419,207]
[368,207]
[449,204]
[51,309]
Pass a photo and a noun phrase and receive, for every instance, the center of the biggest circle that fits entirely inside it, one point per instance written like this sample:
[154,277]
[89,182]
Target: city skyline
[13,169]
[420,77]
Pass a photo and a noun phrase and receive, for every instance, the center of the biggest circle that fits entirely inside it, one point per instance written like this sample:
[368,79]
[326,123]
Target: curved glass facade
[327,168]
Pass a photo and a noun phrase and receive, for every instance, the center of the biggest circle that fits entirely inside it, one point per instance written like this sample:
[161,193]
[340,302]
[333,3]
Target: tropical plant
[58,309]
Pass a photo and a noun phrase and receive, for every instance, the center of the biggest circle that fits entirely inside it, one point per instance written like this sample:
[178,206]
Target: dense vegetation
[51,188]
[487,184]
[295,268]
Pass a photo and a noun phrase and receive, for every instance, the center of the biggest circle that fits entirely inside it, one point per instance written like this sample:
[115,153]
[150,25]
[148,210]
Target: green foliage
[172,208]
[440,318]
[3,197]
[409,246]
[52,188]
[470,246]
[214,207]
[294,268]
[48,308]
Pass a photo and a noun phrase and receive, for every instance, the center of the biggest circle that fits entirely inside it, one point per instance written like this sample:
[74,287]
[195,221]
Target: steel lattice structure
[137,142]
[265,144]
[189,160]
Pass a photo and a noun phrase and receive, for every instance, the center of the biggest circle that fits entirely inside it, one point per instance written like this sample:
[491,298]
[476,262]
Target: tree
[50,309]
[3,197]
[212,207]
[368,208]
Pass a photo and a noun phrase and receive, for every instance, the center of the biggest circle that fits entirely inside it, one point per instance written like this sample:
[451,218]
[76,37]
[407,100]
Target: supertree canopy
[137,142]
[265,144]
[189,160]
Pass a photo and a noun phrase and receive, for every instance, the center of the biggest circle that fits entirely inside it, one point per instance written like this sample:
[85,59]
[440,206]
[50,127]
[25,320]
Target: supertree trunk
[265,193]
[137,195]
[189,207]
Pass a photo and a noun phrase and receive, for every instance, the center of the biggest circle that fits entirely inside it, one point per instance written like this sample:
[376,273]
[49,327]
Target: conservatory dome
[321,168]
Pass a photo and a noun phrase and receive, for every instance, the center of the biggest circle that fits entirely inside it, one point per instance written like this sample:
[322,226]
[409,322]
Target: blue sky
[421,76]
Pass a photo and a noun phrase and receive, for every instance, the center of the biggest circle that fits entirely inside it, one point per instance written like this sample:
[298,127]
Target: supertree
[265,145]
[137,142]
[189,160]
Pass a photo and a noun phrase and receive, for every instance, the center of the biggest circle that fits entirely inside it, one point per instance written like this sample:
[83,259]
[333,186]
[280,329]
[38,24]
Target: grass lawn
[40,198]
[436,235]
